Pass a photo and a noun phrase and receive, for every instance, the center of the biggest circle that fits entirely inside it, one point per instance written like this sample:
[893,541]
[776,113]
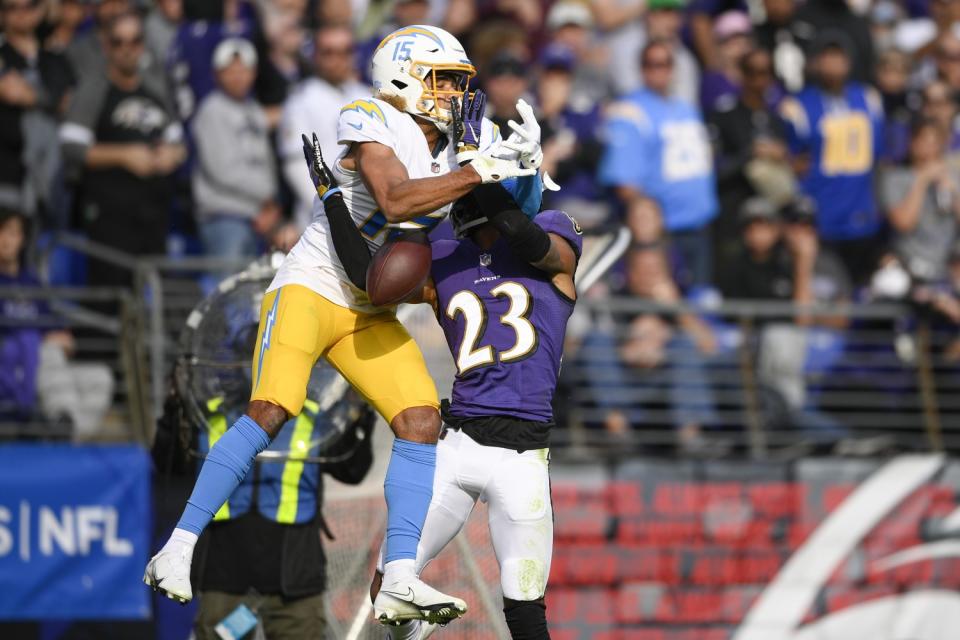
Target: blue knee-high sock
[408,488]
[226,465]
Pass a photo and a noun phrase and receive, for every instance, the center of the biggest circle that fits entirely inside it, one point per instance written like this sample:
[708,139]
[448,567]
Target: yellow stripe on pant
[215,429]
[293,469]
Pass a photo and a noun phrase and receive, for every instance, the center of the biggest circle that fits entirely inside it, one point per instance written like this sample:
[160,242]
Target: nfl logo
[435,167]
[485,259]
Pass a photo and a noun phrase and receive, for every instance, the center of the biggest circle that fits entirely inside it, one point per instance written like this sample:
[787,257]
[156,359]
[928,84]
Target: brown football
[399,268]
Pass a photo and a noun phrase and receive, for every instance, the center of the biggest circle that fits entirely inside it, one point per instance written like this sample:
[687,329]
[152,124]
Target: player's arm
[351,248]
[399,197]
[548,252]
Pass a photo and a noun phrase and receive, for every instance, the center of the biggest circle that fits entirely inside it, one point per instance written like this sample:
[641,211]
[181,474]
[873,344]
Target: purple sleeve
[562,224]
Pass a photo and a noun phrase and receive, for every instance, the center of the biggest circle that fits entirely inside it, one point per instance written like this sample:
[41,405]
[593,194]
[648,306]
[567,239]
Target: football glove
[467,121]
[494,169]
[320,173]
[525,139]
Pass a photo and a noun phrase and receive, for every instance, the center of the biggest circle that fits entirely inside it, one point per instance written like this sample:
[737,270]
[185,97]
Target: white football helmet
[406,58]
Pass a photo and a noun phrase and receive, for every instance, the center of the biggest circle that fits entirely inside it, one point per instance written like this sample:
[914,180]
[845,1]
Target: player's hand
[467,122]
[493,169]
[320,173]
[525,139]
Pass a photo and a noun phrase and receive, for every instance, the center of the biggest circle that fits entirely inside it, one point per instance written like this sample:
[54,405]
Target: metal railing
[107,331]
[782,378]
[884,378]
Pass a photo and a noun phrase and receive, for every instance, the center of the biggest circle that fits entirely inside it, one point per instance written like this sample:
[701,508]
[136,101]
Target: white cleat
[412,599]
[169,573]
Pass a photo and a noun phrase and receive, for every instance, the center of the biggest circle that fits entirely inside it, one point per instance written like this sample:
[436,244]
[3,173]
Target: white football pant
[516,488]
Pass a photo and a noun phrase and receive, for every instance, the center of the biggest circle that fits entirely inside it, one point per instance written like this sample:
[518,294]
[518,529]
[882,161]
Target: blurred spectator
[34,84]
[733,40]
[234,179]
[884,16]
[783,262]
[88,51]
[570,27]
[205,24]
[404,14]
[919,35]
[661,20]
[814,17]
[315,106]
[655,351]
[778,35]
[946,64]
[505,82]
[893,72]
[121,142]
[37,378]
[527,14]
[836,129]
[657,146]
[702,16]
[66,18]
[922,201]
[750,148]
[939,104]
[571,148]
[283,67]
[160,28]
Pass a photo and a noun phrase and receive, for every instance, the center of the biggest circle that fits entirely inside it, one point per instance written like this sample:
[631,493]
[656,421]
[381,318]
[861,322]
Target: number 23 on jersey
[471,307]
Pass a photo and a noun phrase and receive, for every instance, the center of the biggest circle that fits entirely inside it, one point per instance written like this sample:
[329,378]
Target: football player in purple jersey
[502,292]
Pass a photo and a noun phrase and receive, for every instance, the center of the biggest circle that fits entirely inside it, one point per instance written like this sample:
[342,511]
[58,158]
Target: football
[399,268]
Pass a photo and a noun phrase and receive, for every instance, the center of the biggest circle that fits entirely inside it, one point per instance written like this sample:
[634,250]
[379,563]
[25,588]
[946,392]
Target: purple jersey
[505,323]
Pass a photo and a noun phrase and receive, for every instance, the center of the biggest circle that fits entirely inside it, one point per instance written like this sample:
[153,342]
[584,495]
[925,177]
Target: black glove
[320,173]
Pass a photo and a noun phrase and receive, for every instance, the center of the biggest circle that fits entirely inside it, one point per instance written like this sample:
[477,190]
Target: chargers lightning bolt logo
[267,333]
[368,107]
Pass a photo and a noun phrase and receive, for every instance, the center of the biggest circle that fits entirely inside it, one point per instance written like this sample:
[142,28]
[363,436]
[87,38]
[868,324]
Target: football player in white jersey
[400,170]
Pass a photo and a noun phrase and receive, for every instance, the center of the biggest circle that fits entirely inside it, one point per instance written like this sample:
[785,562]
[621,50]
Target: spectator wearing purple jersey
[571,148]
[893,72]
[38,380]
[205,24]
[732,32]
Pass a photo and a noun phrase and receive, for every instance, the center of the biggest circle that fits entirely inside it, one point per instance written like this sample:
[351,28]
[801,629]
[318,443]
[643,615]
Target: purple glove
[467,120]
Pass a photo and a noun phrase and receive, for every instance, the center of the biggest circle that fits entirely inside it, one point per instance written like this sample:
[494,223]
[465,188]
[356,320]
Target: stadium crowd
[785,150]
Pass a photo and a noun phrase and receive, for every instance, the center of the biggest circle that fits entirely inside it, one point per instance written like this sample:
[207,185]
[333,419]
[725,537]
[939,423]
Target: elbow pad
[527,240]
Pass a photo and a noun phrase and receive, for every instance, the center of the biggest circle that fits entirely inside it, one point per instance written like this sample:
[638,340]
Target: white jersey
[313,262]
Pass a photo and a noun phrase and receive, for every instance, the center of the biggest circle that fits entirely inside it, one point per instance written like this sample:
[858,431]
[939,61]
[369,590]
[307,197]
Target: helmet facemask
[429,105]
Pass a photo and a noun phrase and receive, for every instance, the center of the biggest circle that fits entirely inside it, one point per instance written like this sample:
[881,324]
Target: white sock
[181,538]
[398,570]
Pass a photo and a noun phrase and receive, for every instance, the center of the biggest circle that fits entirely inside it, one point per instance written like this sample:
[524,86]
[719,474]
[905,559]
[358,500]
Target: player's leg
[383,363]
[453,500]
[295,326]
[521,529]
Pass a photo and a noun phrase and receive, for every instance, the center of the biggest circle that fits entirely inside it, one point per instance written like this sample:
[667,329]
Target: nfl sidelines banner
[74,532]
